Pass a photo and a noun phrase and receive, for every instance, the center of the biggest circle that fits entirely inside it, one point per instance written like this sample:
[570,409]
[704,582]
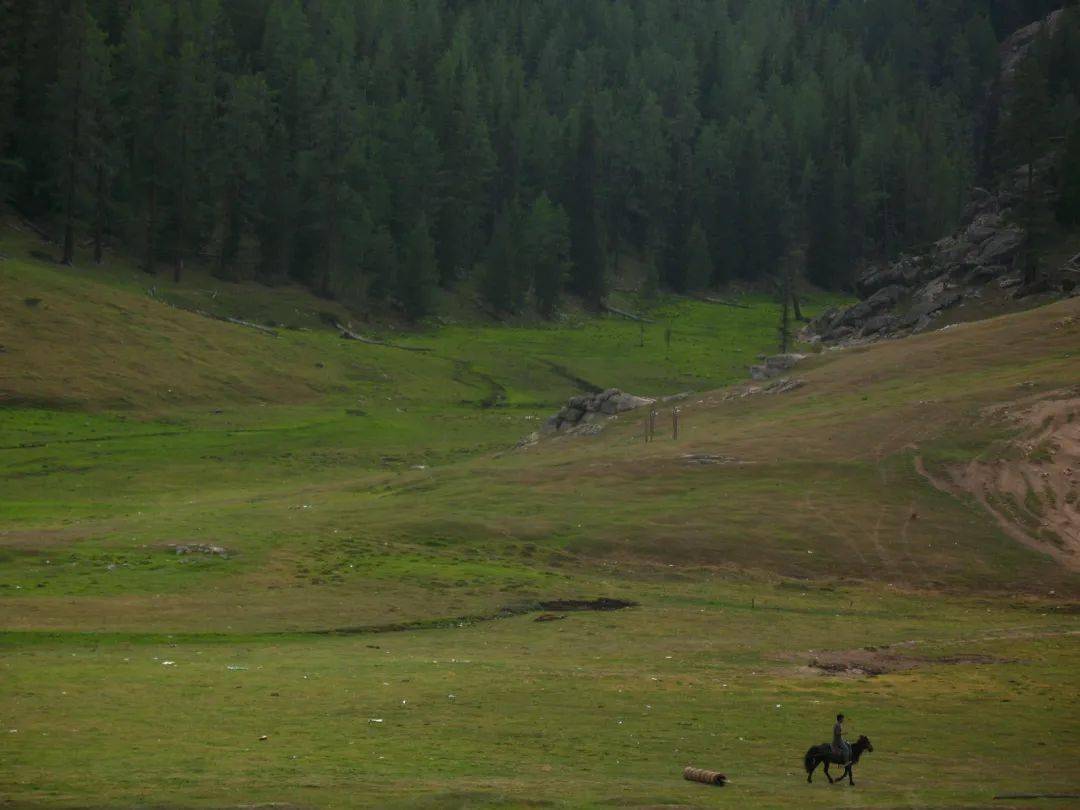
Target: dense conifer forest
[377,149]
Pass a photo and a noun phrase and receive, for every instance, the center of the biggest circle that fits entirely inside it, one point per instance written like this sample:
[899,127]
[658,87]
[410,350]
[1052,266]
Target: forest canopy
[375,149]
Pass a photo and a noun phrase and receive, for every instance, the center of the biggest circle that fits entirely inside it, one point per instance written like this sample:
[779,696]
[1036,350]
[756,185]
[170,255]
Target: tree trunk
[151,222]
[99,214]
[181,214]
[333,228]
[72,173]
[230,238]
[1031,269]
[798,309]
[785,313]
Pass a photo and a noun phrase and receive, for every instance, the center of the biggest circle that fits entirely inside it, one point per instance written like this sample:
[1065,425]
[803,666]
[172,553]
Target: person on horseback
[840,749]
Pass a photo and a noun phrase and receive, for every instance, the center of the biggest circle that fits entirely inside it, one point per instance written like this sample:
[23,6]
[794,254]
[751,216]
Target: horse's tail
[808,760]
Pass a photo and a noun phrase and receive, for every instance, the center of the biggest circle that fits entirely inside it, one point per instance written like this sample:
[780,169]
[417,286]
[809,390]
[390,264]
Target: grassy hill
[792,555]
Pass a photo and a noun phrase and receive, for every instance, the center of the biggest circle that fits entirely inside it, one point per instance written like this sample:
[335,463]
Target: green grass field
[387,544]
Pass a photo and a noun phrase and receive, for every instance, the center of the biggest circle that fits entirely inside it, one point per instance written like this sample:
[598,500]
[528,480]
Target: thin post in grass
[675,412]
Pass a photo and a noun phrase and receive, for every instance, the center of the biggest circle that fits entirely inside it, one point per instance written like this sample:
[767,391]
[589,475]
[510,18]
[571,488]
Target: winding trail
[1032,489]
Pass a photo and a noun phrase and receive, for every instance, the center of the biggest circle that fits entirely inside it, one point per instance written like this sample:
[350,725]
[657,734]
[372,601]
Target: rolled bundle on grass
[702,775]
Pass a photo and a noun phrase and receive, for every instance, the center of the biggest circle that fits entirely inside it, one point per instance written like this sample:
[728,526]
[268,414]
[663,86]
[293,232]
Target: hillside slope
[316,581]
[390,475]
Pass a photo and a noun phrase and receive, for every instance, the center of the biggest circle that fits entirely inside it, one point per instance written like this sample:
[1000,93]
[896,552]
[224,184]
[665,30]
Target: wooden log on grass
[348,334]
[624,314]
[704,776]
[227,319]
[724,302]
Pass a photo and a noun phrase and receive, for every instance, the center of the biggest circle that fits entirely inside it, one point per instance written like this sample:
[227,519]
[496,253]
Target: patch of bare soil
[1032,488]
[872,661]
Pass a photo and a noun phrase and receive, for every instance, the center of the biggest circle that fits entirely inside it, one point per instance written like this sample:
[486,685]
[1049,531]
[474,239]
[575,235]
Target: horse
[824,754]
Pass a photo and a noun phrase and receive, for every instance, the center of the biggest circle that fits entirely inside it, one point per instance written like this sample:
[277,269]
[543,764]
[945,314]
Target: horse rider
[838,745]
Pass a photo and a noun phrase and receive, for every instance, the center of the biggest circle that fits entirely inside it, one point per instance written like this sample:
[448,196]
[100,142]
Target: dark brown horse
[823,753]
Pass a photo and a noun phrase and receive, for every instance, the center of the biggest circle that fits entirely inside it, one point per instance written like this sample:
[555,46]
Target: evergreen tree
[546,242]
[304,139]
[243,146]
[79,100]
[144,113]
[828,259]
[587,250]
[699,267]
[418,272]
[338,149]
[1024,134]
[292,76]
[1068,205]
[189,134]
[503,281]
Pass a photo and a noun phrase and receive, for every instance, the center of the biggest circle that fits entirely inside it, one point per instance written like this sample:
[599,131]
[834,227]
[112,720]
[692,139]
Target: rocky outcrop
[589,409]
[979,261]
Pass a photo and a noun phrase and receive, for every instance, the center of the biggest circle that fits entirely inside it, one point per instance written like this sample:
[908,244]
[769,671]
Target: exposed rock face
[584,411]
[980,259]
[1016,47]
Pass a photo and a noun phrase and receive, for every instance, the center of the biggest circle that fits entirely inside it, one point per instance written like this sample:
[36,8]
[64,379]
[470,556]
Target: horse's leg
[851,779]
[827,774]
[810,773]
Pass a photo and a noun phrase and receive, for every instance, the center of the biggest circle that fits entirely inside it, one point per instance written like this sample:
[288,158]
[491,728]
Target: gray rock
[929,307]
[982,201]
[572,415]
[629,402]
[984,274]
[1001,248]
[877,277]
[950,251]
[878,324]
[823,322]
[886,297]
[592,411]
[982,228]
[855,316]
[840,333]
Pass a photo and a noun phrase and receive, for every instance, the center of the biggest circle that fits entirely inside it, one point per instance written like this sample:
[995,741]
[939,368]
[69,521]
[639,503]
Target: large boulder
[875,278]
[982,228]
[1001,247]
[878,324]
[623,402]
[929,307]
[886,297]
[904,272]
[592,409]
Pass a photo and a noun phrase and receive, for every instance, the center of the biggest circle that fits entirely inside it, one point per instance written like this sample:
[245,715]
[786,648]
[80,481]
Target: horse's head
[864,743]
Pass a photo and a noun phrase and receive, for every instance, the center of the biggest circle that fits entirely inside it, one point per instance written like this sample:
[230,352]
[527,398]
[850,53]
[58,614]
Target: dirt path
[1032,487]
[903,656]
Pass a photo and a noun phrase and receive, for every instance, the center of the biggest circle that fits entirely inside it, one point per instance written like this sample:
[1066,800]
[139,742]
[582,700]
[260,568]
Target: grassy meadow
[368,636]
